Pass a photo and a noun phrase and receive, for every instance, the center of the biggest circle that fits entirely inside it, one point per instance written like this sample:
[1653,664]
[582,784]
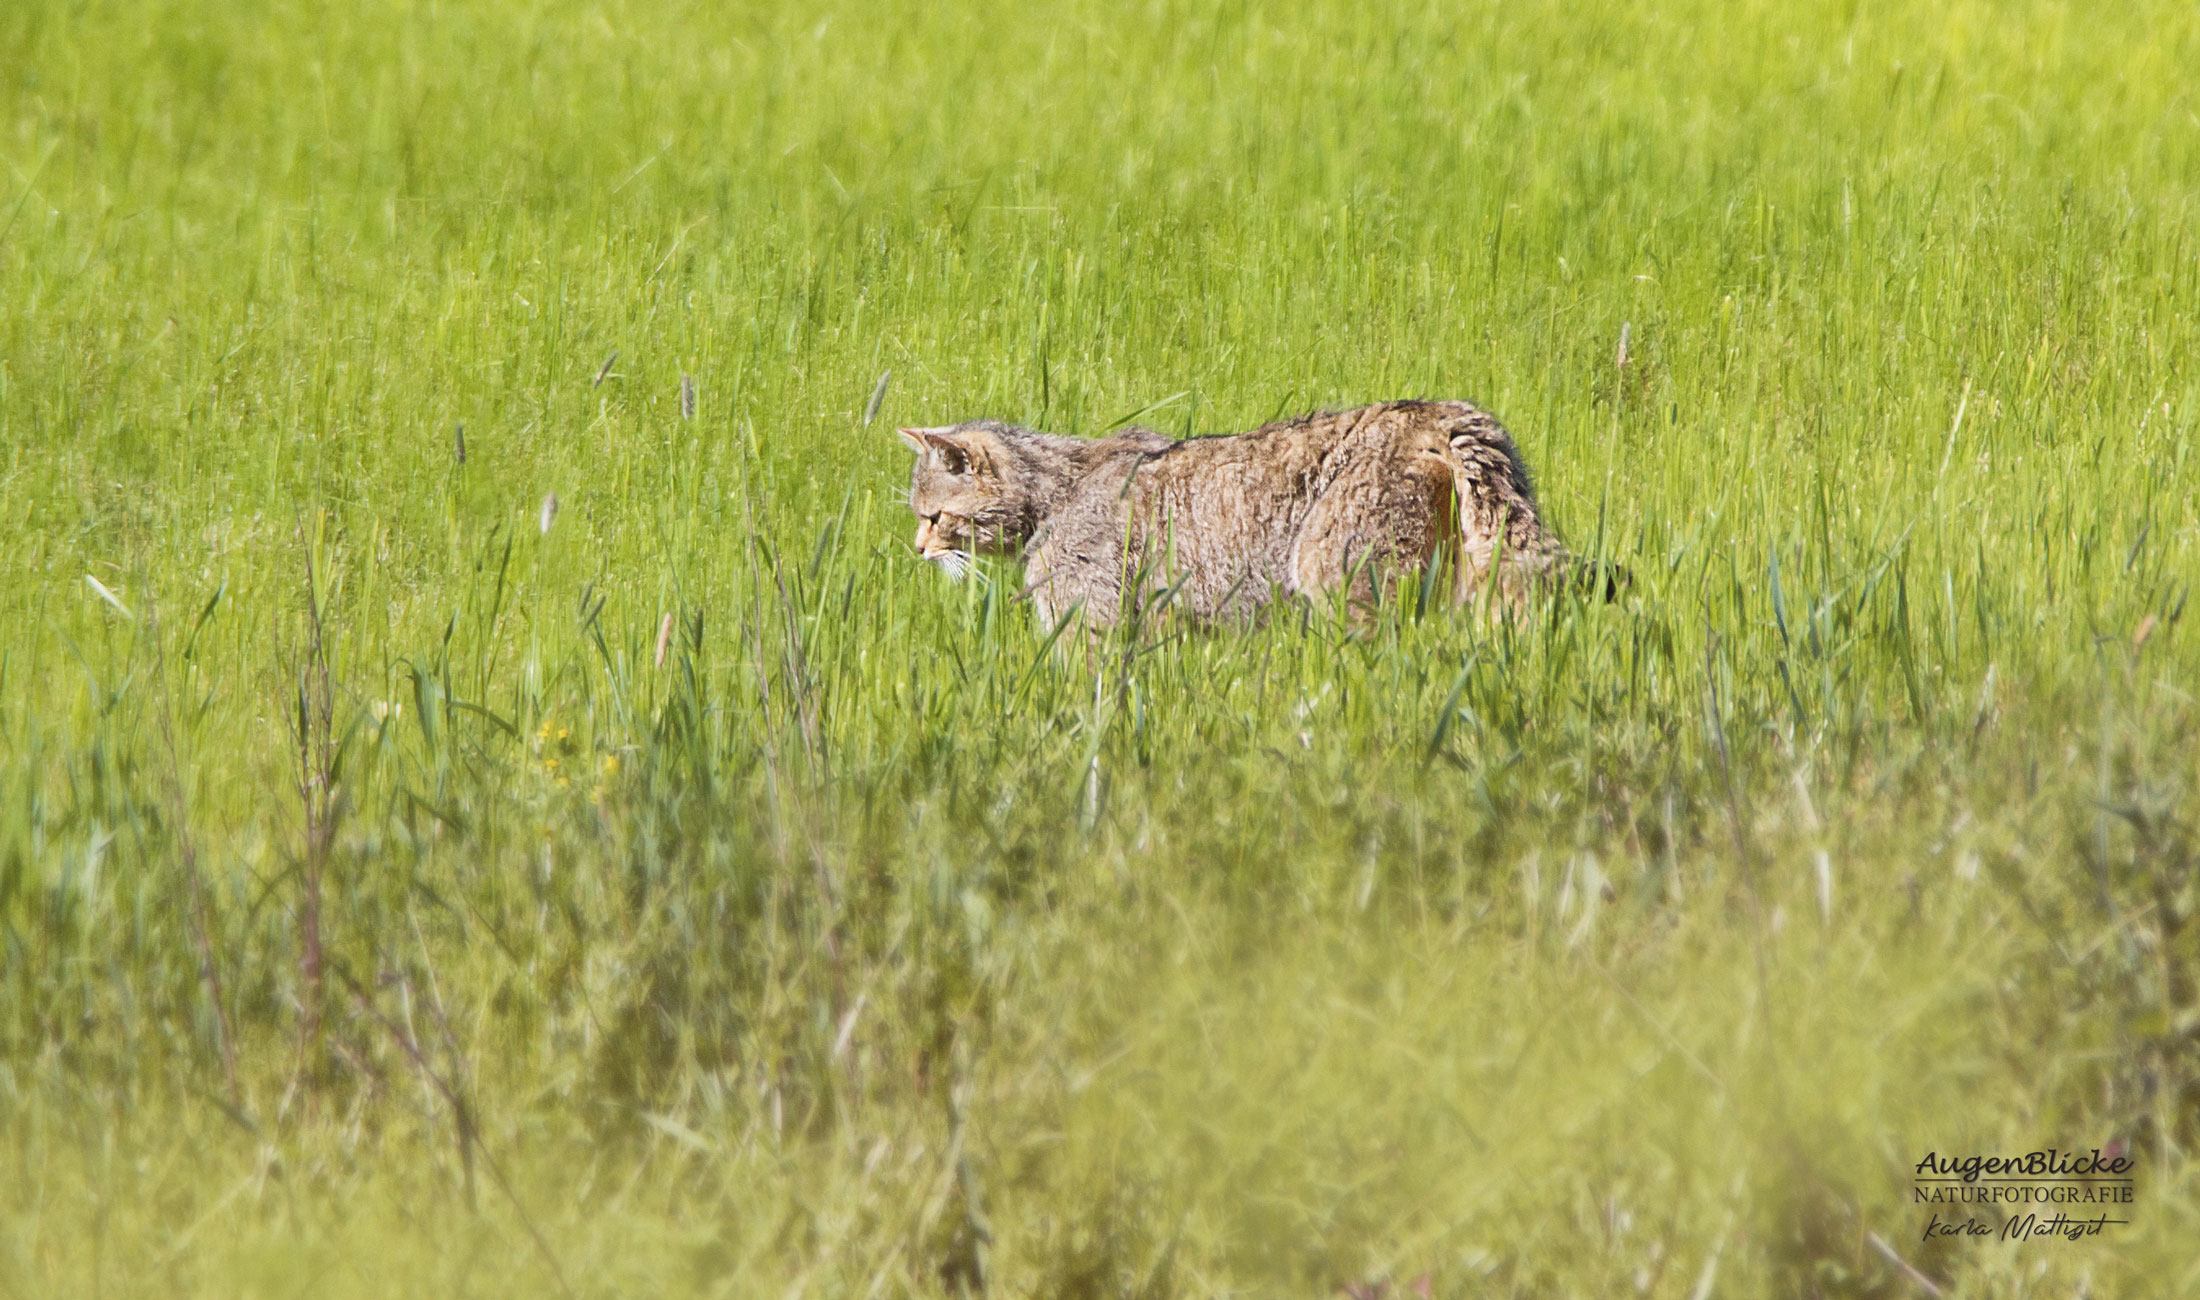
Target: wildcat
[1224,524]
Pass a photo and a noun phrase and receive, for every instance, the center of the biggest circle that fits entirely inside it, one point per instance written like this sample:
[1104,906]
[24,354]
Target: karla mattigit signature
[2058,1181]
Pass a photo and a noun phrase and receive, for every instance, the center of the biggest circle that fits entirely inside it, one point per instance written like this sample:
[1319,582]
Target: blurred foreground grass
[410,886]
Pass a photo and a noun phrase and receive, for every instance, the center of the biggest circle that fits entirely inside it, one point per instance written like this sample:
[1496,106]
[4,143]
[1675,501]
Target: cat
[1221,526]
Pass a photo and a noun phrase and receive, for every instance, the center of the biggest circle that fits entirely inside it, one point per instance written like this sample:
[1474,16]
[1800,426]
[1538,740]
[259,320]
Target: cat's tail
[1538,570]
[1603,580]
[1502,536]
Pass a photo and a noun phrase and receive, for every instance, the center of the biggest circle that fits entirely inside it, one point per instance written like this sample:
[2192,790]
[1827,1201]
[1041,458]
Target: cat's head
[965,494]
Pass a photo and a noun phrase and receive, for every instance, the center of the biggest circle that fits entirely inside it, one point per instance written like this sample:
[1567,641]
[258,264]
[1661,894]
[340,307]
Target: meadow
[491,804]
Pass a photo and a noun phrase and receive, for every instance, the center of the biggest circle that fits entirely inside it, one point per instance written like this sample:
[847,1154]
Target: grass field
[491,805]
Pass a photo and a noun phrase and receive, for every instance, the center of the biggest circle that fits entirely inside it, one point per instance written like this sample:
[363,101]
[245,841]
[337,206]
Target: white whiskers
[958,565]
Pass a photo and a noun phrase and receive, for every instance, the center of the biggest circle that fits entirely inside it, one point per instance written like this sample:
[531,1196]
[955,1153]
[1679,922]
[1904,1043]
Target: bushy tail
[1609,582]
[1500,522]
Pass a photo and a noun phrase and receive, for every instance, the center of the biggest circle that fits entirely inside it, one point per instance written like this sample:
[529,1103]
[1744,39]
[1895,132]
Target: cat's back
[1283,442]
[1291,459]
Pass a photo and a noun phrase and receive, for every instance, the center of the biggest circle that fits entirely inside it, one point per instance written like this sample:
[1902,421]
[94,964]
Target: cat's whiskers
[957,565]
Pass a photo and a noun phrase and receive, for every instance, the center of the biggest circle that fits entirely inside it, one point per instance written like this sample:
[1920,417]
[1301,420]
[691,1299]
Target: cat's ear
[953,456]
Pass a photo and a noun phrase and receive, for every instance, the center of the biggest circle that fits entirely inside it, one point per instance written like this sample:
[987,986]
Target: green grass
[865,945]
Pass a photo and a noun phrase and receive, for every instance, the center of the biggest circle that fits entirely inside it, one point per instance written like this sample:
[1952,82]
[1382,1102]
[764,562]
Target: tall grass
[490,804]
